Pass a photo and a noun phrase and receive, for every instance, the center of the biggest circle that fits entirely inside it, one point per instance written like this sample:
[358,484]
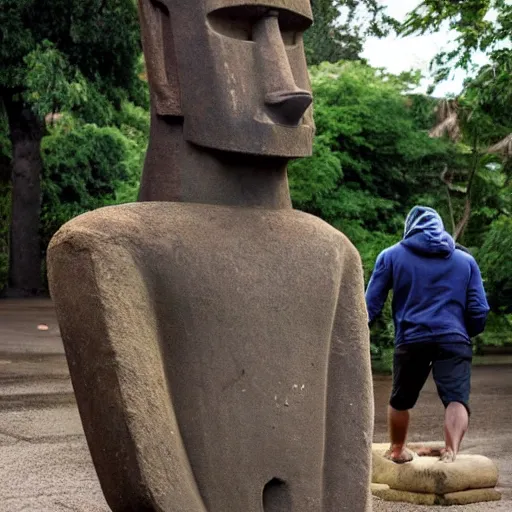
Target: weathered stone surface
[470,496]
[417,498]
[226,78]
[429,475]
[378,487]
[213,349]
[239,64]
[218,347]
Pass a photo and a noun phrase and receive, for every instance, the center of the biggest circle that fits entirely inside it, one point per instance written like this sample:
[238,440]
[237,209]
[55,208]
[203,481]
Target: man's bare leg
[456,422]
[398,424]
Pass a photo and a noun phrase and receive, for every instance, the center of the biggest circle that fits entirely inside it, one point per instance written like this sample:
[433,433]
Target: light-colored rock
[378,487]
[429,475]
[417,498]
[471,496]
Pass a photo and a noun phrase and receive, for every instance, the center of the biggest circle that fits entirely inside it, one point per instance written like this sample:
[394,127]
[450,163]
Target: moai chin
[217,339]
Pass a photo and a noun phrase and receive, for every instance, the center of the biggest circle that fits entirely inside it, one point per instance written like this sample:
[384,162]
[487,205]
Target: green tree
[84,166]
[64,55]
[480,186]
[373,159]
[497,264]
[340,28]
[477,121]
[472,21]
[371,155]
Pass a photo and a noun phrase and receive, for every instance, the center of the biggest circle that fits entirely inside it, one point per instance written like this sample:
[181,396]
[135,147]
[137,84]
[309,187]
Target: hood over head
[424,233]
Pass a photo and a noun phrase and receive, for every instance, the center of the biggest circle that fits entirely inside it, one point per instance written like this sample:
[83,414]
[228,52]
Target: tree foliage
[497,264]
[341,27]
[479,181]
[379,150]
[477,30]
[84,166]
[371,155]
[96,39]
[71,56]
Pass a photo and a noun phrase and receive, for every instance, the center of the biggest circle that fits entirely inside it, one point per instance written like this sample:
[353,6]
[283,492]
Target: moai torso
[218,345]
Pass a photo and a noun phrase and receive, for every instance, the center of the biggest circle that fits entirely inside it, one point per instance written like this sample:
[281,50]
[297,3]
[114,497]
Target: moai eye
[234,22]
[292,26]
[238,22]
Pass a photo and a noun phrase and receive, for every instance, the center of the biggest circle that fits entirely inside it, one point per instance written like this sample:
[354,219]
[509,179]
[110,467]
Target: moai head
[235,71]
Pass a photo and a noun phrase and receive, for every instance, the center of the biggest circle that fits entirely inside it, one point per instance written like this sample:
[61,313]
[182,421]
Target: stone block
[384,492]
[428,475]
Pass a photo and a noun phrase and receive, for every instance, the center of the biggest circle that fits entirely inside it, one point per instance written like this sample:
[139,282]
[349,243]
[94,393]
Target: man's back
[438,293]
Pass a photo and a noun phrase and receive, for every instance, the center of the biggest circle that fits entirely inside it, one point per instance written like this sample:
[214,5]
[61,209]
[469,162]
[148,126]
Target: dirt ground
[46,467]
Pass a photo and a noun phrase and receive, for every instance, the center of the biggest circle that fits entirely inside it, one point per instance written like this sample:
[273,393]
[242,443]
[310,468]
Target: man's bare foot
[399,457]
[447,455]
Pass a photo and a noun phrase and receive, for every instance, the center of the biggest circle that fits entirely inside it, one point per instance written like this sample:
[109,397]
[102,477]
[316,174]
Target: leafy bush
[372,158]
[371,154]
[83,166]
[498,331]
[496,264]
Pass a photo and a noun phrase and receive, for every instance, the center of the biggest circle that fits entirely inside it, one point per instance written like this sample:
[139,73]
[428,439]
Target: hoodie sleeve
[477,307]
[379,286]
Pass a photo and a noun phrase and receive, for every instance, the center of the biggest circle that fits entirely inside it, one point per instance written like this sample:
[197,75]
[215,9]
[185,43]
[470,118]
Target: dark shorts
[451,368]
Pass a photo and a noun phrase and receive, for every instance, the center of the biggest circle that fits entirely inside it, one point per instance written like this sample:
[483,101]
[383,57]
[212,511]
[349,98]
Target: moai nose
[282,95]
[292,105]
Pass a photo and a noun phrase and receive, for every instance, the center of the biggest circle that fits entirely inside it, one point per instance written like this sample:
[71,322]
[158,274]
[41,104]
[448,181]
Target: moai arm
[111,339]
[349,424]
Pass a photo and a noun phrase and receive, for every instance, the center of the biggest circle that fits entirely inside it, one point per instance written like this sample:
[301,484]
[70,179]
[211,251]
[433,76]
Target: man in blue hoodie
[438,304]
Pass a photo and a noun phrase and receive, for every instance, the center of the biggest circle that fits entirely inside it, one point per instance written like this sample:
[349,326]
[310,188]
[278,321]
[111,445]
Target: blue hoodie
[438,294]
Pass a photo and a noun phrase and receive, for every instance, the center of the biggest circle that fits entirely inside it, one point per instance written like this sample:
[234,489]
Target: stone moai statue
[217,339]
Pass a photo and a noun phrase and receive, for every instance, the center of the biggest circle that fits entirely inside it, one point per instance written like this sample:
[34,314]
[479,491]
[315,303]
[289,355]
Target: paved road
[46,467]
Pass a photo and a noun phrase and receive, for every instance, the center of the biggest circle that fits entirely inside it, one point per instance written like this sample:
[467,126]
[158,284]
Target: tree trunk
[447,182]
[463,223]
[461,226]
[26,132]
